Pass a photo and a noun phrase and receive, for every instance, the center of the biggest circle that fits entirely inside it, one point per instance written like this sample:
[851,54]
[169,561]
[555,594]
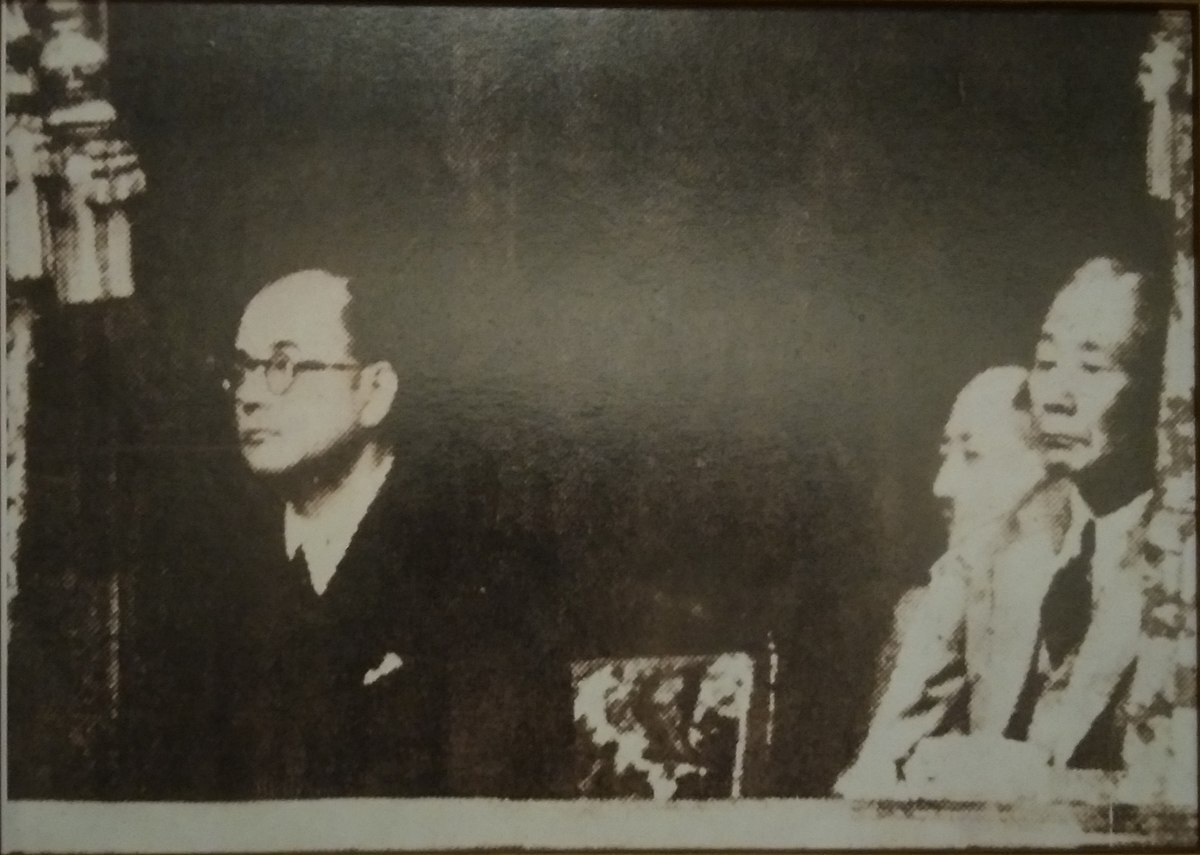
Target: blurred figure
[989,466]
[1019,654]
[989,462]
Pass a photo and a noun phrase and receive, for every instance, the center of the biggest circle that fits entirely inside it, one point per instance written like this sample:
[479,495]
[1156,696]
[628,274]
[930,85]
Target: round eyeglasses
[279,371]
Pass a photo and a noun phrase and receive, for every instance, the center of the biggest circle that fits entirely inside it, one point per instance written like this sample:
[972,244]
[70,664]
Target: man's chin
[287,469]
[1064,462]
[267,465]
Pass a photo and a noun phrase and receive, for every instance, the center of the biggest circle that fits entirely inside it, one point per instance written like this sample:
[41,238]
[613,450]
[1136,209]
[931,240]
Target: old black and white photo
[435,427]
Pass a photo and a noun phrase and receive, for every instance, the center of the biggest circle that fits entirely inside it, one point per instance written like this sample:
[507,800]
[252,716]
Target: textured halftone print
[748,427]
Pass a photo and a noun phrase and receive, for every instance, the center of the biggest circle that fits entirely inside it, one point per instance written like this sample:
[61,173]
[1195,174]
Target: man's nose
[245,407]
[251,392]
[943,483]
[1058,398]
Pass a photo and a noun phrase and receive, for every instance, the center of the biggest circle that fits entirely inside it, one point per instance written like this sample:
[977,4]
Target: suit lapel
[1022,562]
[1064,716]
[1021,578]
[373,598]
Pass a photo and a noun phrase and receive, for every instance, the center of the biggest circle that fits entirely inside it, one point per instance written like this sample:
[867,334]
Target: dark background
[690,290]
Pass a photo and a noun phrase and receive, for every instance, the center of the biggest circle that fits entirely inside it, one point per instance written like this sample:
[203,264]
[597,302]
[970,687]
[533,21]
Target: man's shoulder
[401,518]
[1129,518]
[473,562]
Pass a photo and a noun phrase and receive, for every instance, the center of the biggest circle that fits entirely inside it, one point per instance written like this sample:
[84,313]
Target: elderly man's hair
[1009,382]
[995,394]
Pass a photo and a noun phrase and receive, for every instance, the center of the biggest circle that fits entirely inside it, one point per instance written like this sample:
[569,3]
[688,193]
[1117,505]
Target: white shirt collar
[1112,530]
[325,533]
[1081,515]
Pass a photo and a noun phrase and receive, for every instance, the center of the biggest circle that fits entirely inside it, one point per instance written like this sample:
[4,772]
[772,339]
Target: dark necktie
[1065,615]
[1067,608]
[300,579]
[299,564]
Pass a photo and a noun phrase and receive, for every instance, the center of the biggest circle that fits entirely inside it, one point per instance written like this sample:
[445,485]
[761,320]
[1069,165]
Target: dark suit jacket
[260,688]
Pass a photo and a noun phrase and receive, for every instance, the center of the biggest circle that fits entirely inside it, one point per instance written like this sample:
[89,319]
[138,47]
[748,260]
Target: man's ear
[380,383]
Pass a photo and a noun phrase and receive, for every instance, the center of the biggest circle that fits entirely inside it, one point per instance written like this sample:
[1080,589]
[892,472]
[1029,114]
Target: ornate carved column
[69,174]
[1160,748]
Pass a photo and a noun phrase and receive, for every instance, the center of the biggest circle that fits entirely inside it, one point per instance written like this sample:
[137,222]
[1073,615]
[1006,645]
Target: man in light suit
[1017,655]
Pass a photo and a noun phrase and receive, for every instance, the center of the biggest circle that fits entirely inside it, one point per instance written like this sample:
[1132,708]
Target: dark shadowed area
[687,292]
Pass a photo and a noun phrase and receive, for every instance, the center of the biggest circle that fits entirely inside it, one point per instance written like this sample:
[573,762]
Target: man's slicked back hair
[372,318]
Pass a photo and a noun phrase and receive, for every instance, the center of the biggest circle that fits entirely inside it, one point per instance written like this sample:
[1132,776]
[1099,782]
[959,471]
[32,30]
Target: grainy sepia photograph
[439,427]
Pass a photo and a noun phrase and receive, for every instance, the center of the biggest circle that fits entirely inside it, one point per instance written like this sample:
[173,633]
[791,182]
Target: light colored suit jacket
[966,640]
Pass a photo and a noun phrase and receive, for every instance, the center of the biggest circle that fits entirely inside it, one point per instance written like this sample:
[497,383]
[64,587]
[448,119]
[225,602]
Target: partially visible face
[988,465]
[300,316]
[1078,386]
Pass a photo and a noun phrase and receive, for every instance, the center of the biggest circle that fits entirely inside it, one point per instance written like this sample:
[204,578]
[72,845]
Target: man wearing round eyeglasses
[306,407]
[382,651]
[309,412]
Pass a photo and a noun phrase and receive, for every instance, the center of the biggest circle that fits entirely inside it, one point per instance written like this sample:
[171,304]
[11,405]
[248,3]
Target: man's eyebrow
[275,346]
[961,436]
[1045,338]
[1090,345]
